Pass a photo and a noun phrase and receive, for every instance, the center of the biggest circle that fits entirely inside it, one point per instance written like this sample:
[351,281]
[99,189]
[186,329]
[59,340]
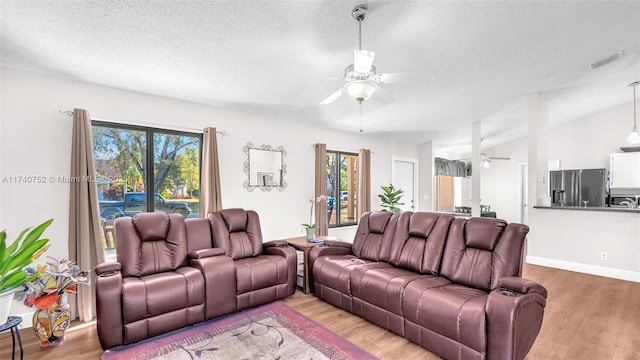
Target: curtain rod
[113,120]
[329,148]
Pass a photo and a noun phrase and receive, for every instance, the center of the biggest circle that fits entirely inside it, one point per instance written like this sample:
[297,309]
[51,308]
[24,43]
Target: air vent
[609,59]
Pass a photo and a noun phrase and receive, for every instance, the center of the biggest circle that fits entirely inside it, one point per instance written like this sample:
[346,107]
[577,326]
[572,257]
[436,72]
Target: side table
[12,324]
[301,243]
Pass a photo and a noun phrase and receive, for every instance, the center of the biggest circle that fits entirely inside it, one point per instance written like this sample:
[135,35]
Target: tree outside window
[342,185]
[140,169]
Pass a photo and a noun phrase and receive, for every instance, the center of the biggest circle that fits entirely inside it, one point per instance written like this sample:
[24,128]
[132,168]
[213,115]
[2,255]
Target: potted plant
[14,258]
[311,227]
[390,198]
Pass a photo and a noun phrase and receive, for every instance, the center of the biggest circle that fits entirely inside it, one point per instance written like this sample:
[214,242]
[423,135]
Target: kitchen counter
[593,208]
[490,214]
[454,213]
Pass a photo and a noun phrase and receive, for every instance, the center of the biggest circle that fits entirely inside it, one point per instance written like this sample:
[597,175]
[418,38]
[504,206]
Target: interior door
[405,175]
[523,179]
[524,193]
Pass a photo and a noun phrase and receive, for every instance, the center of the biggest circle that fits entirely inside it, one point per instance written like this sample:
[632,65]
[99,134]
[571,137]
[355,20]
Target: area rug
[272,331]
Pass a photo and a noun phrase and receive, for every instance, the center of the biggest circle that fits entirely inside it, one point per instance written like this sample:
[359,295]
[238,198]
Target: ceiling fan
[486,160]
[361,76]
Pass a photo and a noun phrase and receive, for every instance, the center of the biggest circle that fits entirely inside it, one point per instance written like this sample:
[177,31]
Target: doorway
[404,174]
[523,185]
[523,195]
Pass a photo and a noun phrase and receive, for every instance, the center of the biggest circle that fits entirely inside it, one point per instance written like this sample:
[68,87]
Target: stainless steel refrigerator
[584,187]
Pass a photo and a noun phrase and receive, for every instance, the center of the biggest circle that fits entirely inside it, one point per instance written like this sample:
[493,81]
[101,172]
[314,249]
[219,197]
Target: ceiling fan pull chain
[360,116]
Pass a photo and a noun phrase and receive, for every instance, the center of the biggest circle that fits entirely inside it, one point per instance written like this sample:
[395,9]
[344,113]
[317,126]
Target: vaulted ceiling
[462,61]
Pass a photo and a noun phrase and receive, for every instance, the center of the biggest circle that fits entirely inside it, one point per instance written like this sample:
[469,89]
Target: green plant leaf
[15,279]
[23,257]
[14,245]
[390,198]
[3,245]
[36,232]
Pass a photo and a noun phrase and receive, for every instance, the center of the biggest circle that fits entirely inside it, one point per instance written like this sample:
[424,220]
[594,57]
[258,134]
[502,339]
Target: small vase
[311,233]
[50,324]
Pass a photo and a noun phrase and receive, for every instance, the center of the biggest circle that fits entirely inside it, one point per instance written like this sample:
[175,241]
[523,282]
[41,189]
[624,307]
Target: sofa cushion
[374,235]
[334,271]
[382,286]
[151,243]
[198,234]
[454,311]
[333,274]
[418,241]
[260,272]
[152,226]
[480,251]
[237,231]
[483,234]
[235,219]
[158,294]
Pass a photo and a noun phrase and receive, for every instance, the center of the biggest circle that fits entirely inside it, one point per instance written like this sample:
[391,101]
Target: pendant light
[634,137]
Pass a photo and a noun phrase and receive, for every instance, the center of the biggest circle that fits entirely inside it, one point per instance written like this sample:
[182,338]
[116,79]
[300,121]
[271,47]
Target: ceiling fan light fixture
[485,162]
[634,137]
[360,90]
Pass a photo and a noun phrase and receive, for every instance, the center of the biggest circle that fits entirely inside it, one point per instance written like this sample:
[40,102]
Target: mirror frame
[247,168]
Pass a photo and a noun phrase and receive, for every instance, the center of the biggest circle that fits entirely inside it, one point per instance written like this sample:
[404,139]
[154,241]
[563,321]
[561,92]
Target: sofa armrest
[108,268]
[276,243]
[219,274]
[205,253]
[514,317]
[336,243]
[109,304]
[329,247]
[520,285]
[289,253]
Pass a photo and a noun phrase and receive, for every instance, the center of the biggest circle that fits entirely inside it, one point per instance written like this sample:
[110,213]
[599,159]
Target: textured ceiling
[278,58]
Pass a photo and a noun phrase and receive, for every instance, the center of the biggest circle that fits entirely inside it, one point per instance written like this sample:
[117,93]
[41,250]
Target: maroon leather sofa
[171,273]
[451,285]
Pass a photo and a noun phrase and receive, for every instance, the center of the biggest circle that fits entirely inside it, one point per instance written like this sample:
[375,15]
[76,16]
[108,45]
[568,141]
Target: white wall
[568,239]
[35,140]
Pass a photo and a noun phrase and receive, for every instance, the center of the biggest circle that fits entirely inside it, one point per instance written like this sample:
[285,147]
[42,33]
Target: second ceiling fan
[486,160]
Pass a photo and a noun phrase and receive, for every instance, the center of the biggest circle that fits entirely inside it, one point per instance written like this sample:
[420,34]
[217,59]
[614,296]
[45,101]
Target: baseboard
[584,268]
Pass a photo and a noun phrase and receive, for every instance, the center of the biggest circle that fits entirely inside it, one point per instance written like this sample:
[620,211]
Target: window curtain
[364,181]
[455,168]
[210,194]
[322,219]
[85,241]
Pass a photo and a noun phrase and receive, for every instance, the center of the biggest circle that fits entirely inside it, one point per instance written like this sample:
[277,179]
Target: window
[450,184]
[449,192]
[140,169]
[342,185]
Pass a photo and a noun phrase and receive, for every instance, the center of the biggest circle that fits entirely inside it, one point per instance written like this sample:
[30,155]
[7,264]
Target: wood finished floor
[587,317]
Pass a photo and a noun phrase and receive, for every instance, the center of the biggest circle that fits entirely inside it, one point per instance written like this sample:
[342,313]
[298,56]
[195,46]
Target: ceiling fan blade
[333,97]
[499,158]
[404,77]
[382,96]
[362,60]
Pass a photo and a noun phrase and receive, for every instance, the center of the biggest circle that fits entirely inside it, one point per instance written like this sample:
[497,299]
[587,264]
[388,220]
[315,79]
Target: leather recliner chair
[265,272]
[150,290]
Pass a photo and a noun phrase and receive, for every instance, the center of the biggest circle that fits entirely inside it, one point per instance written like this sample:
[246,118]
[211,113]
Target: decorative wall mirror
[265,167]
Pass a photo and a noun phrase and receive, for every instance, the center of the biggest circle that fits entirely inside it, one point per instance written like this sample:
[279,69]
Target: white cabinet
[624,172]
